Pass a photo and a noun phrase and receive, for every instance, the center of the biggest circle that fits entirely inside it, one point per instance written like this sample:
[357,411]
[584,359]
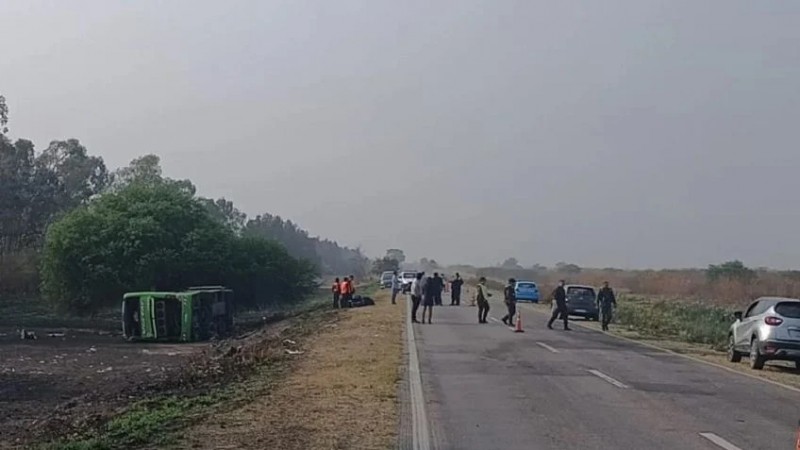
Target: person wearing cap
[482,297]
[606,302]
[559,306]
[510,298]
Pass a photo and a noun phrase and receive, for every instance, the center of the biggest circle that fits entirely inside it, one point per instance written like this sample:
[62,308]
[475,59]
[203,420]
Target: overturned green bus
[198,314]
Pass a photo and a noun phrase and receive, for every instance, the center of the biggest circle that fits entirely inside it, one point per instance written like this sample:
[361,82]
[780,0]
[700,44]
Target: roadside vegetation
[684,321]
[231,375]
[300,383]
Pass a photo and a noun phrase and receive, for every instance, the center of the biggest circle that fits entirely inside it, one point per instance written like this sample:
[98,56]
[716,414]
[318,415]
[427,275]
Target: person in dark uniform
[482,297]
[337,293]
[430,289]
[510,296]
[438,287]
[560,306]
[606,302]
[455,290]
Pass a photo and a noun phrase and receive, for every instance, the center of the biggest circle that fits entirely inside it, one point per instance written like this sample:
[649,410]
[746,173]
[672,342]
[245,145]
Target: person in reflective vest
[346,289]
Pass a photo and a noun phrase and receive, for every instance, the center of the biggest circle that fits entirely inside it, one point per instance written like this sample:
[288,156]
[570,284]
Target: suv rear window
[526,285]
[788,309]
[580,292]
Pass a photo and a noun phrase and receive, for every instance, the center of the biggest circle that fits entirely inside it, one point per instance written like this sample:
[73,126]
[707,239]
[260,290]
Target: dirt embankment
[340,393]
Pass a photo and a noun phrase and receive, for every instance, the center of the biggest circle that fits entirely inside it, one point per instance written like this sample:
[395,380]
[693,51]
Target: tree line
[81,235]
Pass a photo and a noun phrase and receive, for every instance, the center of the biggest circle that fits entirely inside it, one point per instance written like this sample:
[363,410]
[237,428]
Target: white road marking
[542,344]
[680,355]
[494,319]
[421,436]
[605,377]
[722,443]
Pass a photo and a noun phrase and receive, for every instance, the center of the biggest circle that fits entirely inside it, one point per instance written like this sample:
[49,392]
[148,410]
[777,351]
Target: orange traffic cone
[519,329]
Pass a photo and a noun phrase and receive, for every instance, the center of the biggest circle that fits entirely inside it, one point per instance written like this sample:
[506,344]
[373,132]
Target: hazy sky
[605,133]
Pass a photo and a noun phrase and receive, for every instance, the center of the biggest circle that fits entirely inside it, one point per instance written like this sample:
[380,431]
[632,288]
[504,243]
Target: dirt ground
[70,380]
[340,393]
[69,377]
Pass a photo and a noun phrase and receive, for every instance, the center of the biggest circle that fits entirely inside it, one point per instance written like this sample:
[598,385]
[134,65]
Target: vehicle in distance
[582,301]
[406,277]
[386,279]
[527,291]
[768,330]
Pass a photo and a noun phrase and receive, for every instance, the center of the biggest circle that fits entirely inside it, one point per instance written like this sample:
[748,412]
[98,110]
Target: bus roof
[151,294]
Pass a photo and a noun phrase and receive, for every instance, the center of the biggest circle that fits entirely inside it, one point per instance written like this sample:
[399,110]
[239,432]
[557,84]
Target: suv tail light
[771,320]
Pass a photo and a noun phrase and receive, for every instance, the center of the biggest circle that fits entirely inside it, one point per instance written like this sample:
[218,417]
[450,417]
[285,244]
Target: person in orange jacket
[346,289]
[336,289]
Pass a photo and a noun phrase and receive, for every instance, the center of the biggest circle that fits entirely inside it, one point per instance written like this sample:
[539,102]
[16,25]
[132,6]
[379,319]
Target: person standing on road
[395,287]
[560,306]
[416,296]
[430,290]
[352,286]
[438,286]
[606,302]
[455,290]
[337,292]
[510,295]
[482,297]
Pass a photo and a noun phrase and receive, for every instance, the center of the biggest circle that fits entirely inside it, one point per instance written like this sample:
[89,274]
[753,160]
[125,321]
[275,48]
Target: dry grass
[673,284]
[340,394]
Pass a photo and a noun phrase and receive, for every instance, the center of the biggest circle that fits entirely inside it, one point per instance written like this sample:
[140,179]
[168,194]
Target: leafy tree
[385,264]
[511,263]
[3,116]
[143,237]
[396,254]
[78,175]
[226,213]
[145,170]
[160,237]
[731,270]
[263,273]
[568,268]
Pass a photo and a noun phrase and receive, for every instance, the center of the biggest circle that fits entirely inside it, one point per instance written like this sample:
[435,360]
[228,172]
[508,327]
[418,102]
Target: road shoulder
[340,393]
[776,373]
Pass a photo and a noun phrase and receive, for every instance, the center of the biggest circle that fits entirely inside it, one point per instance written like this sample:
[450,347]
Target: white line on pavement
[605,377]
[543,345]
[421,437]
[719,441]
[494,319]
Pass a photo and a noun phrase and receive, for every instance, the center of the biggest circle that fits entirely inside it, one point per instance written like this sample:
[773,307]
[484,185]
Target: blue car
[527,291]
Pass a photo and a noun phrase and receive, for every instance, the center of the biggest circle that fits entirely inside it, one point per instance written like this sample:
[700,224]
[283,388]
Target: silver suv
[768,330]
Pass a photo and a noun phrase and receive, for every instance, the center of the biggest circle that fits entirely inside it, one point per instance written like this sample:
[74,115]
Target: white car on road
[769,329]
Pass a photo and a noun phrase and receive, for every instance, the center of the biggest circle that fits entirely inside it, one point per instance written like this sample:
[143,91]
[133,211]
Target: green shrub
[689,322]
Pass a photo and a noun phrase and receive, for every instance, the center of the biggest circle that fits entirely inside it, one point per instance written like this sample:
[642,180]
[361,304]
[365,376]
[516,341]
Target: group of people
[427,291]
[343,291]
[606,302]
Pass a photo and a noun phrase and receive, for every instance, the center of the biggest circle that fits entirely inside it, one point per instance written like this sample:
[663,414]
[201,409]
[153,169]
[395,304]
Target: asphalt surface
[486,387]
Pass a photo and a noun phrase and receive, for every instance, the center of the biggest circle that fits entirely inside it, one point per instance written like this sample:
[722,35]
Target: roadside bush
[159,236]
[688,322]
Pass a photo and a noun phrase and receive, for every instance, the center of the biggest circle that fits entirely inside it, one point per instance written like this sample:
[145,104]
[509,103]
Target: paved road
[489,388]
